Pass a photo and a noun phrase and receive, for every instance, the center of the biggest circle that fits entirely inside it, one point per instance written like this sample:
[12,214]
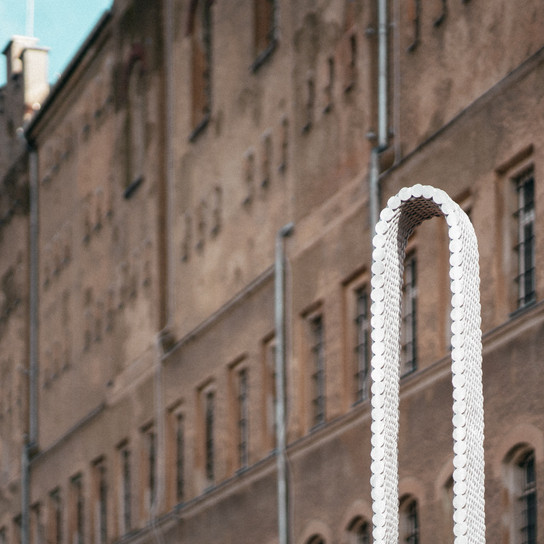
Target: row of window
[359,305]
[522,510]
[360,337]
[526,480]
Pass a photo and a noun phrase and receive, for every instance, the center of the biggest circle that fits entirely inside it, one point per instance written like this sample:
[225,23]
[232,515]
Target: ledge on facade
[522,309]
[199,128]
[132,187]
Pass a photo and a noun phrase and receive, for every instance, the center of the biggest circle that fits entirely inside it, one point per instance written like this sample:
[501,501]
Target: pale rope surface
[404,212]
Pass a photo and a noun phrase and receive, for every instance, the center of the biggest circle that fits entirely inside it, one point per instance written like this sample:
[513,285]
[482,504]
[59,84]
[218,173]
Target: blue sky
[61,25]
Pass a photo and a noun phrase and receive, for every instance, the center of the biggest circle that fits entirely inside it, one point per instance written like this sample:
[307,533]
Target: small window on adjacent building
[200,30]
[525,247]
[264,35]
[317,368]
[409,521]
[409,314]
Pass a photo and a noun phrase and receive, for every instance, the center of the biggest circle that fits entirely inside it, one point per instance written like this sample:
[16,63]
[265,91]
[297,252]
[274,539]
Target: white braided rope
[404,212]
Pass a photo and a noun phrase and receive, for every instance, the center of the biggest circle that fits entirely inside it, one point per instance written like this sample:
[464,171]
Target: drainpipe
[30,438]
[374,167]
[33,367]
[281,453]
[382,74]
[374,182]
[167,299]
[25,493]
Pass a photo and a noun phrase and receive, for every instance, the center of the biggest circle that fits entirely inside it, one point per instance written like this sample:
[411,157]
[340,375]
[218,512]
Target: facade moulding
[263,468]
[66,436]
[96,33]
[160,524]
[330,430]
[519,322]
[252,287]
[351,200]
[526,68]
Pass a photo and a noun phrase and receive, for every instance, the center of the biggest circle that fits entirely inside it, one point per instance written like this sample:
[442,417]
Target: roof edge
[68,71]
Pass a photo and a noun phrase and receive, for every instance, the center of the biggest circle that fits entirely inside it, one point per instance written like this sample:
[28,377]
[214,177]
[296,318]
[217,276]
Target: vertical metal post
[382,74]
[30,438]
[281,455]
[33,303]
[374,188]
[25,493]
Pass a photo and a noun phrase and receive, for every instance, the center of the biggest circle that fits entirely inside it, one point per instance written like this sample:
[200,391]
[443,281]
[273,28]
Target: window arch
[316,539]
[359,531]
[522,485]
[409,521]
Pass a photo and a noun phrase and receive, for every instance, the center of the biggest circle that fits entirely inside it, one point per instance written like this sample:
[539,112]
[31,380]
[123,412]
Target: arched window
[527,497]
[200,30]
[409,521]
[523,494]
[359,531]
[316,539]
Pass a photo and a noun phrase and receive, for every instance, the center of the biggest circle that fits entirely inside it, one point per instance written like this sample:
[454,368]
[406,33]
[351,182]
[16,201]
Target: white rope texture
[404,212]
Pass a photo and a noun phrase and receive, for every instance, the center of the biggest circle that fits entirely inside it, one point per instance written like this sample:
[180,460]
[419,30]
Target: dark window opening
[318,372]
[362,346]
[525,247]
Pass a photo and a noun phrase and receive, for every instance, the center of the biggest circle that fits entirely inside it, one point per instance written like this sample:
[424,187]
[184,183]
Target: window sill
[522,309]
[263,56]
[199,128]
[132,187]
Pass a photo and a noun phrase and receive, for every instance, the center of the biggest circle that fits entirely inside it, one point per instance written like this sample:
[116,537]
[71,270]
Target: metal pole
[33,340]
[374,188]
[25,493]
[382,74]
[281,454]
[31,436]
[30,18]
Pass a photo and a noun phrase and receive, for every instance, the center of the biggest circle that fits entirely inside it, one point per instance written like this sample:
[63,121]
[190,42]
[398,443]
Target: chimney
[36,87]
[13,52]
[27,68]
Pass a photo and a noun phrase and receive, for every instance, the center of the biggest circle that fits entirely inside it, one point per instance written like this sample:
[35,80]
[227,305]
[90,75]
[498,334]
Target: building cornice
[67,74]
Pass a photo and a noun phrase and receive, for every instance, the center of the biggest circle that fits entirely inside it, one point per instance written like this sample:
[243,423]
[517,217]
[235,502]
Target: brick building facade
[141,204]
